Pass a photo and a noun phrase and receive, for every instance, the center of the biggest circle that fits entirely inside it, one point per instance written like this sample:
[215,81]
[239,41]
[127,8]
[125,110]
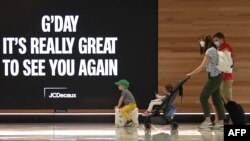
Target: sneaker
[205,124]
[129,123]
[145,114]
[218,126]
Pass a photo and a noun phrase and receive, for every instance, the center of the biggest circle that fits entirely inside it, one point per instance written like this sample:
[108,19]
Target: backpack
[225,61]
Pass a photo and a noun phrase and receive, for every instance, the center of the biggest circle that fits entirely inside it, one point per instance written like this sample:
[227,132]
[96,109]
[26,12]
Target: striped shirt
[211,67]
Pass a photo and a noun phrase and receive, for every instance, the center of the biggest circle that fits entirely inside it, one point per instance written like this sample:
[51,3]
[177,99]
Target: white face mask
[217,43]
[202,43]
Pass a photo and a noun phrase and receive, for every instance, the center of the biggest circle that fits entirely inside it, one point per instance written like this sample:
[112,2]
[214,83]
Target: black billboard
[69,53]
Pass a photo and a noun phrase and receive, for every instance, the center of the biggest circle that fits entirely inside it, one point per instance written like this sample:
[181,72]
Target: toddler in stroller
[159,99]
[168,109]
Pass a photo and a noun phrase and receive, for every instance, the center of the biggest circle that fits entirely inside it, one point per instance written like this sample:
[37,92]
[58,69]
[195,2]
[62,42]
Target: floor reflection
[162,136]
[212,135]
[126,133]
[105,132]
[131,134]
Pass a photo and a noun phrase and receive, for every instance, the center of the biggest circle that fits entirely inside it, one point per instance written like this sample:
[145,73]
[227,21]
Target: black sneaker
[129,123]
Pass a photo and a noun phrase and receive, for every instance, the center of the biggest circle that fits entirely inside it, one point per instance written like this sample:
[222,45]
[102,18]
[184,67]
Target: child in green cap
[128,99]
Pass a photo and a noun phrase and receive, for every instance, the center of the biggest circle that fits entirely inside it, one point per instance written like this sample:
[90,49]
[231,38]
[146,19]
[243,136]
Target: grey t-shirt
[128,97]
[213,61]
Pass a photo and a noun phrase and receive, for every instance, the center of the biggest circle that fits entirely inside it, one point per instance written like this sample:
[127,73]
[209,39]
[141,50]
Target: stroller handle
[184,80]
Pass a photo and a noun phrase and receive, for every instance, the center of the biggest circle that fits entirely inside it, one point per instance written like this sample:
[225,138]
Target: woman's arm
[201,67]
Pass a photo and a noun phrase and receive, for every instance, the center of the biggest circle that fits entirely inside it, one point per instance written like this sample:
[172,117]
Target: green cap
[123,82]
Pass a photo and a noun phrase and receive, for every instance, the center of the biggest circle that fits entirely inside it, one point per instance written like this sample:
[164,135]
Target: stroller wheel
[147,126]
[174,132]
[174,125]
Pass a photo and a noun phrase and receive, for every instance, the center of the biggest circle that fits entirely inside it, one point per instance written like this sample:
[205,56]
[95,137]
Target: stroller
[168,109]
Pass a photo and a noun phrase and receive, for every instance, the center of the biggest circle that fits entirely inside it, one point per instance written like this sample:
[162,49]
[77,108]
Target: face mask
[217,43]
[202,43]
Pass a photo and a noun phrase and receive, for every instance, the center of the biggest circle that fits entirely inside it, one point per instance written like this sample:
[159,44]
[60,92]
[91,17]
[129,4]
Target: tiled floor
[104,132]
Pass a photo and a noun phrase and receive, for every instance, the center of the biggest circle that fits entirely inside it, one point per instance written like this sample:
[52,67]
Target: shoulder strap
[181,92]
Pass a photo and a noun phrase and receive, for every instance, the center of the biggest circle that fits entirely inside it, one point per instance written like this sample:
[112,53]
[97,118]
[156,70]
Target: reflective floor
[105,132]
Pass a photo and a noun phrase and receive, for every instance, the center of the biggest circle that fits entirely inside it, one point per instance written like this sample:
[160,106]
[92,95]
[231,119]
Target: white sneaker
[218,126]
[205,124]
